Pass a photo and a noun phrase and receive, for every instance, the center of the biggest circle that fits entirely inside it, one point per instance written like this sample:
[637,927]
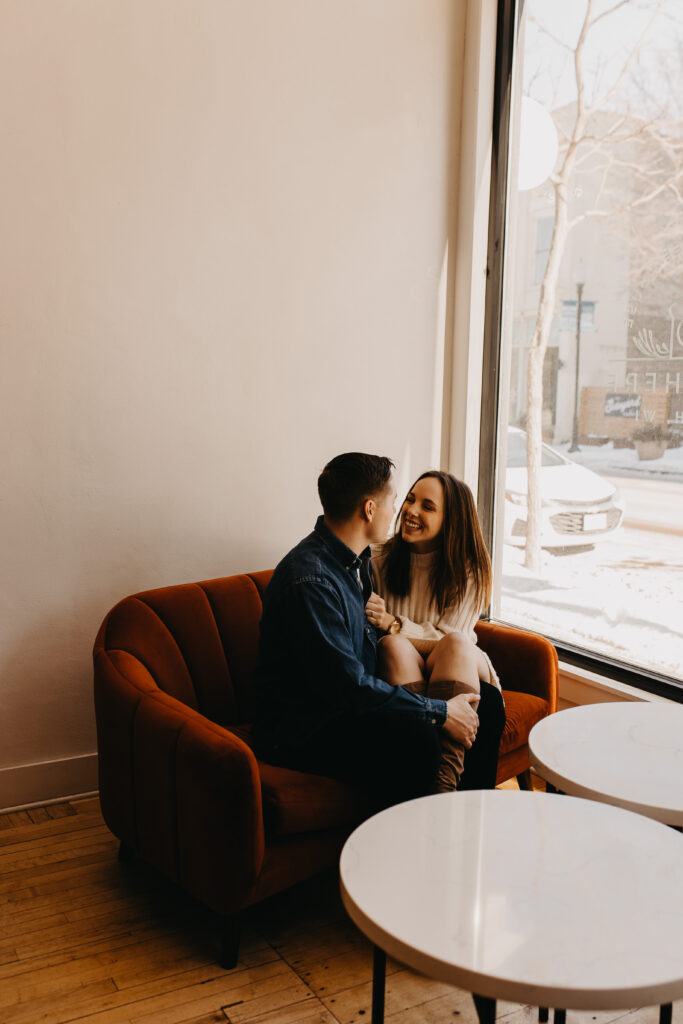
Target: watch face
[395,626]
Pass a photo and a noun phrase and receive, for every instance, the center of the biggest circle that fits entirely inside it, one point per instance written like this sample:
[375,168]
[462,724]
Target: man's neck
[350,533]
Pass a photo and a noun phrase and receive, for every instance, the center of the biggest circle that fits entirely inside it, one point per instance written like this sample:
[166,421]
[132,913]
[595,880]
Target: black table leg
[486,1008]
[665,1013]
[379,966]
[560,1016]
[543,1015]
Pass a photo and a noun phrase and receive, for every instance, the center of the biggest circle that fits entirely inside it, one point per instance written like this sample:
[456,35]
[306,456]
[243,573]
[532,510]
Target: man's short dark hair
[348,480]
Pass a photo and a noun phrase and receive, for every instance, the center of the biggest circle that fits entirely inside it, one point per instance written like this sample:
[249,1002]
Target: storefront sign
[627,406]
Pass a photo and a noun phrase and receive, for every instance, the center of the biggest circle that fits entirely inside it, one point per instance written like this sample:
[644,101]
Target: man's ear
[369,508]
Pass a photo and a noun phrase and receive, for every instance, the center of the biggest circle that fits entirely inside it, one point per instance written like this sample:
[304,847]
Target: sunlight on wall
[439,344]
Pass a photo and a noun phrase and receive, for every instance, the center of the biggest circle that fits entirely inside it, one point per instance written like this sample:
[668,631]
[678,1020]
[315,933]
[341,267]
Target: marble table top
[531,897]
[629,754]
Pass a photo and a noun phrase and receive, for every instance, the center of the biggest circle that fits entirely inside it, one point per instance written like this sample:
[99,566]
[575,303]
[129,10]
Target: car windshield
[517,453]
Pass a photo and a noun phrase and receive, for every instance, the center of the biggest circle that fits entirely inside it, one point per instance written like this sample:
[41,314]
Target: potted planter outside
[651,441]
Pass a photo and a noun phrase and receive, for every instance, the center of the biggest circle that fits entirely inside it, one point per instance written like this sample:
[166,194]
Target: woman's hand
[377,614]
[462,721]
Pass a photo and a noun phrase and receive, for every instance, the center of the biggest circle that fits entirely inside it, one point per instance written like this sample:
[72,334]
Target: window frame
[509,14]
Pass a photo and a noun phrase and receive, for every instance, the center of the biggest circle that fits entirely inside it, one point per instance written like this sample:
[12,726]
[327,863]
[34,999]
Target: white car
[578,507]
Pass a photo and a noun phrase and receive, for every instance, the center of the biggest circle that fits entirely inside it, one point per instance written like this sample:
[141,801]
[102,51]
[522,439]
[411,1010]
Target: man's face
[385,510]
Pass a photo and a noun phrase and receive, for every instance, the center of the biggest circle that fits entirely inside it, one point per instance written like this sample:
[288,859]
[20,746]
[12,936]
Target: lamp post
[579,277]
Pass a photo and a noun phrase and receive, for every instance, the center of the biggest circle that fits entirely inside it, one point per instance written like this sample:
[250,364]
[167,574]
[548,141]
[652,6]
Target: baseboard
[47,782]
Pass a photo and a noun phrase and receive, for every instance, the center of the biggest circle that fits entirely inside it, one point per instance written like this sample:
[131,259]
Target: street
[651,505]
[624,598]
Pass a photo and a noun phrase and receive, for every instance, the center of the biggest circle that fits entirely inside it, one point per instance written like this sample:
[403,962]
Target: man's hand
[376,612]
[462,722]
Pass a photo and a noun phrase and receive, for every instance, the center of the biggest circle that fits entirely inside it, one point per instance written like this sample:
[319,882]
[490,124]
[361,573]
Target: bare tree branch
[621,210]
[604,100]
[610,10]
[551,35]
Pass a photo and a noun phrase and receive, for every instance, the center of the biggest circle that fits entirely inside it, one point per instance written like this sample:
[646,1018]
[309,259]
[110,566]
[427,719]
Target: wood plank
[113,945]
[152,1004]
[14,818]
[58,1006]
[344,971]
[45,836]
[189,956]
[302,949]
[61,1002]
[404,988]
[20,928]
[102,958]
[38,814]
[216,1017]
[262,1004]
[48,873]
[77,933]
[310,1011]
[20,859]
[107,872]
[88,805]
[60,810]
[70,900]
[57,826]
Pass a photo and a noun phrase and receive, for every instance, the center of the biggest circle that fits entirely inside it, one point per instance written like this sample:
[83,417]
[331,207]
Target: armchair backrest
[197,642]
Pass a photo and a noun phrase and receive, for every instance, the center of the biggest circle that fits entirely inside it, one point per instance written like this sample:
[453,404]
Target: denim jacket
[317,650]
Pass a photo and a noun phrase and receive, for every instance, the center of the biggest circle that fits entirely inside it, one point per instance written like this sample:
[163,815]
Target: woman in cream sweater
[432,582]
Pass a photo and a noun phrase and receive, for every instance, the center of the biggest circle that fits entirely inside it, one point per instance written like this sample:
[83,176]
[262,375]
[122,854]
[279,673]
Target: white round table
[629,754]
[532,897]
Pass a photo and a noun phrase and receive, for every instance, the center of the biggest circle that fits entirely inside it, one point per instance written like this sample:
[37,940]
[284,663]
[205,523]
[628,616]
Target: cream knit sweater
[420,620]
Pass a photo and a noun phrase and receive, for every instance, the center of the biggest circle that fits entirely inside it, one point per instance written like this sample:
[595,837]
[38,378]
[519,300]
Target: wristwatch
[395,627]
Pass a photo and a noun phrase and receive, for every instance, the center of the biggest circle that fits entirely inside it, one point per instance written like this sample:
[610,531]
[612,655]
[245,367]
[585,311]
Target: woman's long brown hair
[462,553]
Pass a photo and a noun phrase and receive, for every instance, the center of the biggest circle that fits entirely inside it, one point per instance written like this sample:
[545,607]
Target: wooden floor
[84,938]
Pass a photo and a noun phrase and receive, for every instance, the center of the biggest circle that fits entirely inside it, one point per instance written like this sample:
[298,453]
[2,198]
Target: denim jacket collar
[348,558]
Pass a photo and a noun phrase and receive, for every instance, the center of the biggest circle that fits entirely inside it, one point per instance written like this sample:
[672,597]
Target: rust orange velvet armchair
[179,783]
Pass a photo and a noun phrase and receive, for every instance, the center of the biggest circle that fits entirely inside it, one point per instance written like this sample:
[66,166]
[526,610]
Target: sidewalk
[609,461]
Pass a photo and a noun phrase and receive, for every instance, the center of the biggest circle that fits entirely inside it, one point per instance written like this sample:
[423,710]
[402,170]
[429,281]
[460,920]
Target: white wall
[223,230]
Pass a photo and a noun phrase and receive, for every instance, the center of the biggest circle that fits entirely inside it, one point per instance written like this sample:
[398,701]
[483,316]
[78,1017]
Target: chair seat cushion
[522,711]
[295,802]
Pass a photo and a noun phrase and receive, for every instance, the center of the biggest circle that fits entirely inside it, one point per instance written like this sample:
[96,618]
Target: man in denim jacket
[321,708]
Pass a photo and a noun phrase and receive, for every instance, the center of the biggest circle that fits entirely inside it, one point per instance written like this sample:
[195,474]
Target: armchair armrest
[181,790]
[221,842]
[525,662]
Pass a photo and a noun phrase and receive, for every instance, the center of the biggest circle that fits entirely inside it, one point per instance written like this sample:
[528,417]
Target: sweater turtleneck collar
[423,558]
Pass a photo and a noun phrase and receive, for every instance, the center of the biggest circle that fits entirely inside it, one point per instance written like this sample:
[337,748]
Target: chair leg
[230,929]
[524,780]
[125,853]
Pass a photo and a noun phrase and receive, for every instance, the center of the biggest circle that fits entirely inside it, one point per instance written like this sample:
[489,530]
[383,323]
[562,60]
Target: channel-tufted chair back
[197,642]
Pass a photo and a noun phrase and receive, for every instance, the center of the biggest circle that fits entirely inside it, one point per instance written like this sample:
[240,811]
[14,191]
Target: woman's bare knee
[454,658]
[453,643]
[398,661]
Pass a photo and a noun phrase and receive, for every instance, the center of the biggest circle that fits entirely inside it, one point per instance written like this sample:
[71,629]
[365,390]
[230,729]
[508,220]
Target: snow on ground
[623,598]
[609,461]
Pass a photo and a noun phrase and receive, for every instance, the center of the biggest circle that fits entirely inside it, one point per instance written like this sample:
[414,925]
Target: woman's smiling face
[422,515]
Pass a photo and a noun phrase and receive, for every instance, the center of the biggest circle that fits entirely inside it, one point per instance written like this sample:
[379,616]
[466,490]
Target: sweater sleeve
[455,619]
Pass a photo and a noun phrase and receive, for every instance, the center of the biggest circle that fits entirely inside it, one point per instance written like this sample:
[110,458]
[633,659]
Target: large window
[588,507]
